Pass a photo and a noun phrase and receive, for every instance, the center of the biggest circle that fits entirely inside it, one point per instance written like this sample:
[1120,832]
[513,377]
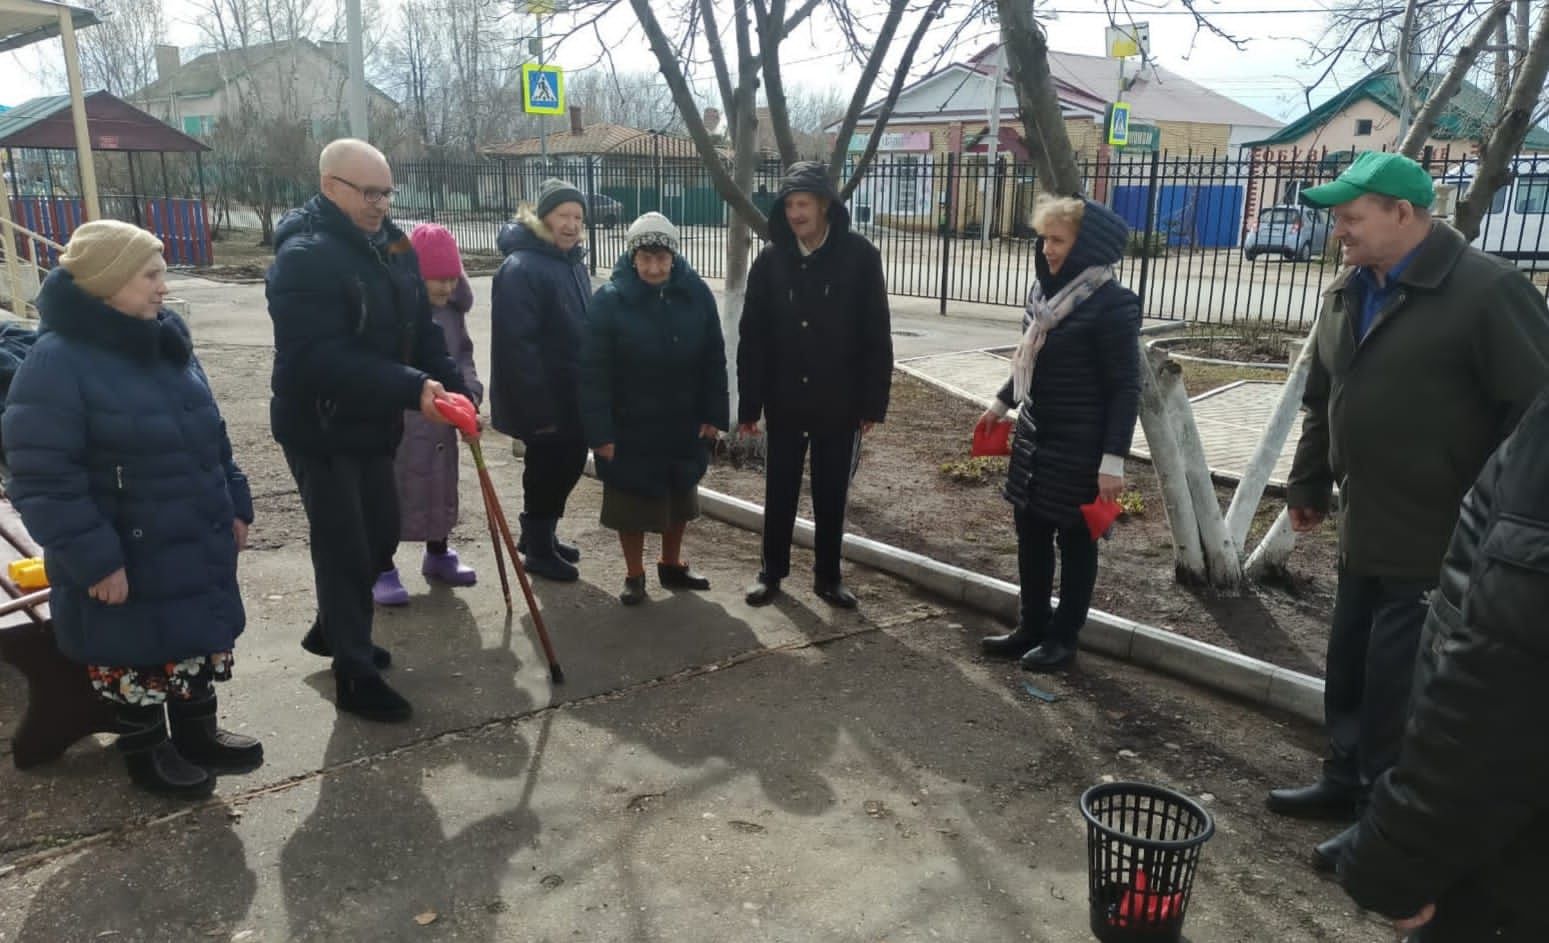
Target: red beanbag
[1100,516]
[991,438]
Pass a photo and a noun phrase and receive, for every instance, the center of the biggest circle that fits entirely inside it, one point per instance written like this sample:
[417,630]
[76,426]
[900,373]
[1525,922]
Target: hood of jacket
[1101,240]
[319,215]
[808,176]
[68,311]
[632,288]
[528,233]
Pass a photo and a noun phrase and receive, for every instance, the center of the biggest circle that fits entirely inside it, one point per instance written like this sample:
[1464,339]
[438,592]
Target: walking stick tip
[556,674]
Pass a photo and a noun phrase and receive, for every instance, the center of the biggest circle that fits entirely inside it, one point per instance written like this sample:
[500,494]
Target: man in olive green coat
[1425,354]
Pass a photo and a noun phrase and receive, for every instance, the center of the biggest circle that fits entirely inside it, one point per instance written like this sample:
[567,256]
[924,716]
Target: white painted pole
[1156,371]
[78,113]
[988,203]
[359,115]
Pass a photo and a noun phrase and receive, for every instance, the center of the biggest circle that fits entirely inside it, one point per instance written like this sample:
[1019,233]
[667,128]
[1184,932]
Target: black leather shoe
[680,577]
[1049,656]
[835,594]
[372,699]
[1322,801]
[634,590]
[763,592]
[314,642]
[1326,854]
[1012,644]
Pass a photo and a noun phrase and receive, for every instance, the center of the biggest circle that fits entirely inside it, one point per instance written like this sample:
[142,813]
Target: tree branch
[714,165]
[1441,96]
[774,84]
[1506,138]
[895,15]
[1406,45]
[796,18]
[718,61]
[900,79]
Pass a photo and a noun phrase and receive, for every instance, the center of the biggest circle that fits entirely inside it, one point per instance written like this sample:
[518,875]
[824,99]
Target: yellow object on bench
[28,574]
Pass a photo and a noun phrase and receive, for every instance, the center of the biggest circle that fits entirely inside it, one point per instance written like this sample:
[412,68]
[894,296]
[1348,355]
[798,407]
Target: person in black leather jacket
[1453,845]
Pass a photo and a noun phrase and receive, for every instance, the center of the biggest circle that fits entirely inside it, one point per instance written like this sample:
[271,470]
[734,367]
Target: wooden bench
[61,705]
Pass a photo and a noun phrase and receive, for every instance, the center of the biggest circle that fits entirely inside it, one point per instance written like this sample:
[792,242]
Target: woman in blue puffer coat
[123,473]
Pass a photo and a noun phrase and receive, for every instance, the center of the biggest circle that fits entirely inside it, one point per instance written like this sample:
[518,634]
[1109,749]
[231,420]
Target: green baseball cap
[1391,175]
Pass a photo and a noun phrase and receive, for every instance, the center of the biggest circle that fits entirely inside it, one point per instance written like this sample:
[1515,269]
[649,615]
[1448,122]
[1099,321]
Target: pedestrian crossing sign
[543,89]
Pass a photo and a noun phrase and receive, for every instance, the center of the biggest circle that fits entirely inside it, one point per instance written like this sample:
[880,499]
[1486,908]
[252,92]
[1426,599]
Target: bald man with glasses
[354,348]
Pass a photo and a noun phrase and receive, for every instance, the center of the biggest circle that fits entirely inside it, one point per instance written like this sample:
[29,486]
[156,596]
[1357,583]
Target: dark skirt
[630,513]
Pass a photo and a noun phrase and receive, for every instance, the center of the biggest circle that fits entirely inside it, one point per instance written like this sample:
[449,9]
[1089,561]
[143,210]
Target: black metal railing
[1216,237]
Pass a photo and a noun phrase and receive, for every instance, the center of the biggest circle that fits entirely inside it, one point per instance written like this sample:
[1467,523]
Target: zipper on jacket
[118,471]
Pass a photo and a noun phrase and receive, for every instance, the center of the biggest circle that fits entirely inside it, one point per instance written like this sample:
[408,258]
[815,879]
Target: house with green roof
[1365,117]
[298,78]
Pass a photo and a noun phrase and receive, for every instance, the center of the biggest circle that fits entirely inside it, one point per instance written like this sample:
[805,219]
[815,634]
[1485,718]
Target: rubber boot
[154,764]
[541,558]
[565,551]
[200,740]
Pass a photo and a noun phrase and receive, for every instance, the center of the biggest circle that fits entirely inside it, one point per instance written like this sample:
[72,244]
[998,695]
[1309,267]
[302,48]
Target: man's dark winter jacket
[1085,392]
[816,348]
[353,338]
[653,371]
[119,460]
[1404,419]
[538,323]
[1462,821]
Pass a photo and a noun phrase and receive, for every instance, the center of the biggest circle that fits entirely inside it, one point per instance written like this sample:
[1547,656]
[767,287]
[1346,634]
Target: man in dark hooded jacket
[815,359]
[354,348]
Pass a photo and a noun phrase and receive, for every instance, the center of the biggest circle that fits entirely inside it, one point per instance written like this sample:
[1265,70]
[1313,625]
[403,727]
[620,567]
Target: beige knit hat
[105,254]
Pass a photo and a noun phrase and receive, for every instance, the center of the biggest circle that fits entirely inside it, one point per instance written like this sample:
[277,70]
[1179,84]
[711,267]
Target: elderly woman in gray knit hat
[653,399]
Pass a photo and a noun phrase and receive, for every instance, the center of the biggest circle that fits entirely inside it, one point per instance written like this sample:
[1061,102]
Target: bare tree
[119,54]
[630,99]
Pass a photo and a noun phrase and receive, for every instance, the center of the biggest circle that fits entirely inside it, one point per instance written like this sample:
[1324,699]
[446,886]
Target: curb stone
[1209,666]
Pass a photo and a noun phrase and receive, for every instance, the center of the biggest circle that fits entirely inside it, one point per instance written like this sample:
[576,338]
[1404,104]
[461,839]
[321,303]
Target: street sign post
[1124,42]
[543,89]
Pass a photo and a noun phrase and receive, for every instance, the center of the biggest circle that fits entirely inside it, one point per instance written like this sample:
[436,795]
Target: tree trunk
[739,237]
[1027,60]
[1250,490]
[1505,140]
[1157,374]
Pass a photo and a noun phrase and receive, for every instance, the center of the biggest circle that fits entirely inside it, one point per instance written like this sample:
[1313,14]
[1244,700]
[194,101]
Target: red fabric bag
[459,410]
[1100,516]
[991,438]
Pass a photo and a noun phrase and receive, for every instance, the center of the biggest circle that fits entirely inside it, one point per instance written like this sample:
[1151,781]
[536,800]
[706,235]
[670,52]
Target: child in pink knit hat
[426,464]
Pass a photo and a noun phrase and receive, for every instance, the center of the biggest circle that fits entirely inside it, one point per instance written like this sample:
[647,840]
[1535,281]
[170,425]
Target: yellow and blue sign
[1118,124]
[543,89]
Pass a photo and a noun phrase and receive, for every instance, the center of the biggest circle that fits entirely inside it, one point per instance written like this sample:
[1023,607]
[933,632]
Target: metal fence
[1216,238]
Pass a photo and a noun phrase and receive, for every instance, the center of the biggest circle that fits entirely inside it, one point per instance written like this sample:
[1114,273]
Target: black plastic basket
[1143,845]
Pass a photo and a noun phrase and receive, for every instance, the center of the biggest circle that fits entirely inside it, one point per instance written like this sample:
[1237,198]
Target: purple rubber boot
[388,591]
[446,568]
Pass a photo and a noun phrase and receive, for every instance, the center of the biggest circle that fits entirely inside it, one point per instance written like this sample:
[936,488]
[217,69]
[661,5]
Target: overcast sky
[1267,74]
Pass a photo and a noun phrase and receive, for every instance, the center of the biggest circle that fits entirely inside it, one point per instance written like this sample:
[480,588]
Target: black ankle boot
[680,577]
[200,740]
[1013,644]
[541,557]
[634,590]
[154,764]
[315,643]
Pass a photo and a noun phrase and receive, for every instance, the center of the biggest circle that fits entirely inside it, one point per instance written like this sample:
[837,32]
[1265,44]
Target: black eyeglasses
[372,194]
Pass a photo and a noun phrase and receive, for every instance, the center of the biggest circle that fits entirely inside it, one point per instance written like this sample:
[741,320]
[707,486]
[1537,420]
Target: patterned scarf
[1044,315]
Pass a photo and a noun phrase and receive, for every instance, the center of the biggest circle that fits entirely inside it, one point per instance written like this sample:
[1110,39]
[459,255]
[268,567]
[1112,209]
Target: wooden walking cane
[459,411]
[498,520]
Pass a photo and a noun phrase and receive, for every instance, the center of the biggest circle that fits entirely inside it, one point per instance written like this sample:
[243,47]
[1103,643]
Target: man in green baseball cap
[1425,353]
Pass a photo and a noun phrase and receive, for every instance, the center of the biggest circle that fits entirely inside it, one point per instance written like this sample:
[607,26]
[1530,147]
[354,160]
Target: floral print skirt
[157,684]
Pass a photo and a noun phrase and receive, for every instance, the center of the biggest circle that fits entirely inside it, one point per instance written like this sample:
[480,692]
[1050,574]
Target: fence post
[945,226]
[1145,237]
[591,212]
[505,192]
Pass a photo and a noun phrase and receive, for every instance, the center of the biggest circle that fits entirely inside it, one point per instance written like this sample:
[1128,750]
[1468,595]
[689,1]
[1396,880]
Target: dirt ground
[902,496]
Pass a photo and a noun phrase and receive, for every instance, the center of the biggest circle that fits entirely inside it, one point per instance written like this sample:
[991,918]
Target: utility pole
[359,127]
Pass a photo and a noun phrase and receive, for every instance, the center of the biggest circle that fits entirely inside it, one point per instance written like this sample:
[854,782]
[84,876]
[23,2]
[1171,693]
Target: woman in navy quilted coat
[1075,380]
[122,471]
